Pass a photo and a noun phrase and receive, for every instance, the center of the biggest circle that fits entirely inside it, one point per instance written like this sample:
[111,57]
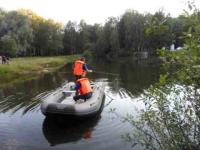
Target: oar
[108,73]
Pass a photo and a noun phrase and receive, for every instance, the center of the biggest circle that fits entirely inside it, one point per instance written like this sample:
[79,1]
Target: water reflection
[64,130]
[168,120]
[105,132]
[27,96]
[134,76]
[130,77]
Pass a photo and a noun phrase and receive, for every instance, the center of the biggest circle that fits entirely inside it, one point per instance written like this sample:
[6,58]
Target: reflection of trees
[137,77]
[133,76]
[170,120]
[63,130]
[27,96]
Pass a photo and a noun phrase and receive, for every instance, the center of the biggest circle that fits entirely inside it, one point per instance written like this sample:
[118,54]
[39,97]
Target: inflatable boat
[61,101]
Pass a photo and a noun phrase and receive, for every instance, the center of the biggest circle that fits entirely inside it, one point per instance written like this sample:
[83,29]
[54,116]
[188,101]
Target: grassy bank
[21,69]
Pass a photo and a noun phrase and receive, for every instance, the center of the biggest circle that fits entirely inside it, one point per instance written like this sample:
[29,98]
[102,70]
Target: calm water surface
[23,127]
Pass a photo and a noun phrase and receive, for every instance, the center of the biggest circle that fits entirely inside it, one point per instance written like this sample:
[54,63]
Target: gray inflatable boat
[61,102]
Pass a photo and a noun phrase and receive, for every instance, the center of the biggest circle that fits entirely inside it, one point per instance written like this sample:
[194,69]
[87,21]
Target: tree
[47,35]
[70,37]
[18,28]
[83,36]
[171,118]
[114,44]
[48,38]
[8,45]
[158,32]
[131,29]
[108,40]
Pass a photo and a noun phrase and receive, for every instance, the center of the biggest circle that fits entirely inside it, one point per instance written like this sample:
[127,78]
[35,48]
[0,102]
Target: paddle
[107,73]
[98,72]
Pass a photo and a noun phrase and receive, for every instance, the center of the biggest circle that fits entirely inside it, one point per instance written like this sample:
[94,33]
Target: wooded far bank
[24,33]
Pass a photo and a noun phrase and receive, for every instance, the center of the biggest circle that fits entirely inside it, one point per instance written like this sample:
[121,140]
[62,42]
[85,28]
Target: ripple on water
[106,131]
[6,129]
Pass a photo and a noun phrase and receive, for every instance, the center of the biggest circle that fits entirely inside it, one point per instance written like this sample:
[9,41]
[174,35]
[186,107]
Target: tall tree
[158,32]
[70,37]
[18,28]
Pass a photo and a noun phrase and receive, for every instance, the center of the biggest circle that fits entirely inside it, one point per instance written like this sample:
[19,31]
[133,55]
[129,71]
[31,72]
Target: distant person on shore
[7,60]
[83,89]
[3,59]
[80,68]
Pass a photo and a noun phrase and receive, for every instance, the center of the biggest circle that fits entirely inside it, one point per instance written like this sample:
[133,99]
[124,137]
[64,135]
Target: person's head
[82,59]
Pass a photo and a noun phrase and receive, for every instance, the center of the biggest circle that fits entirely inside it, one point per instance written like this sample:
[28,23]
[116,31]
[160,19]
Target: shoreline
[27,68]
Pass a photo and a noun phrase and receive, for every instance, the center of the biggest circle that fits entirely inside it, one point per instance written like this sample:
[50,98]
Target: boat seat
[68,93]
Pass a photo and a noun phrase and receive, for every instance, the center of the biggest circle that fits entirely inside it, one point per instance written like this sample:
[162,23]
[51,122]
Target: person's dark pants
[84,97]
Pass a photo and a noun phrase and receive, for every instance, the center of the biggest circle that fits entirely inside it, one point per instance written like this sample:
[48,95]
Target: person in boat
[83,89]
[80,68]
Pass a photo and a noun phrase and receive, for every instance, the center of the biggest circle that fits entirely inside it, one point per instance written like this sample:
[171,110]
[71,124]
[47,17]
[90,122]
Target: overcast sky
[93,11]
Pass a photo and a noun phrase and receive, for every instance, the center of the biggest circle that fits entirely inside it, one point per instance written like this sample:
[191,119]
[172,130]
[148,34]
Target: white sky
[93,11]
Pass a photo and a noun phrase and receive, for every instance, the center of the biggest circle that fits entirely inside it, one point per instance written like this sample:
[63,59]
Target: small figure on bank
[3,59]
[7,60]
[83,89]
[80,68]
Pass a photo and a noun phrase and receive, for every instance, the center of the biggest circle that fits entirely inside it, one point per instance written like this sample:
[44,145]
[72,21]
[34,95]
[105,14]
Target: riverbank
[22,69]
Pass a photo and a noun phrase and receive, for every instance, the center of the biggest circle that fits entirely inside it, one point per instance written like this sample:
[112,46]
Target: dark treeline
[24,33]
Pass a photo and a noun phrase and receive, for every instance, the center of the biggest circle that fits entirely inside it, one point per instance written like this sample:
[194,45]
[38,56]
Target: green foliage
[171,116]
[29,34]
[87,54]
[16,30]
[9,45]
[33,35]
[132,31]
[31,67]
[70,37]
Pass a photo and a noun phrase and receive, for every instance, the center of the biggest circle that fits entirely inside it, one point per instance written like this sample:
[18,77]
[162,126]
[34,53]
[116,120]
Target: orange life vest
[78,68]
[85,86]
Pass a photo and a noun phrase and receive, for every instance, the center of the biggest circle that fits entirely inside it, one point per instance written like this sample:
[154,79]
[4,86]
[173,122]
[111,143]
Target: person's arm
[86,68]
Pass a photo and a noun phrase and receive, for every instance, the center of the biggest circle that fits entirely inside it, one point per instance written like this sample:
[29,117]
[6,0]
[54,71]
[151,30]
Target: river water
[23,127]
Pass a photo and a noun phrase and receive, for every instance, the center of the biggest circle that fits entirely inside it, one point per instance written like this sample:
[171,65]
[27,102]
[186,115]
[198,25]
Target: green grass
[21,69]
